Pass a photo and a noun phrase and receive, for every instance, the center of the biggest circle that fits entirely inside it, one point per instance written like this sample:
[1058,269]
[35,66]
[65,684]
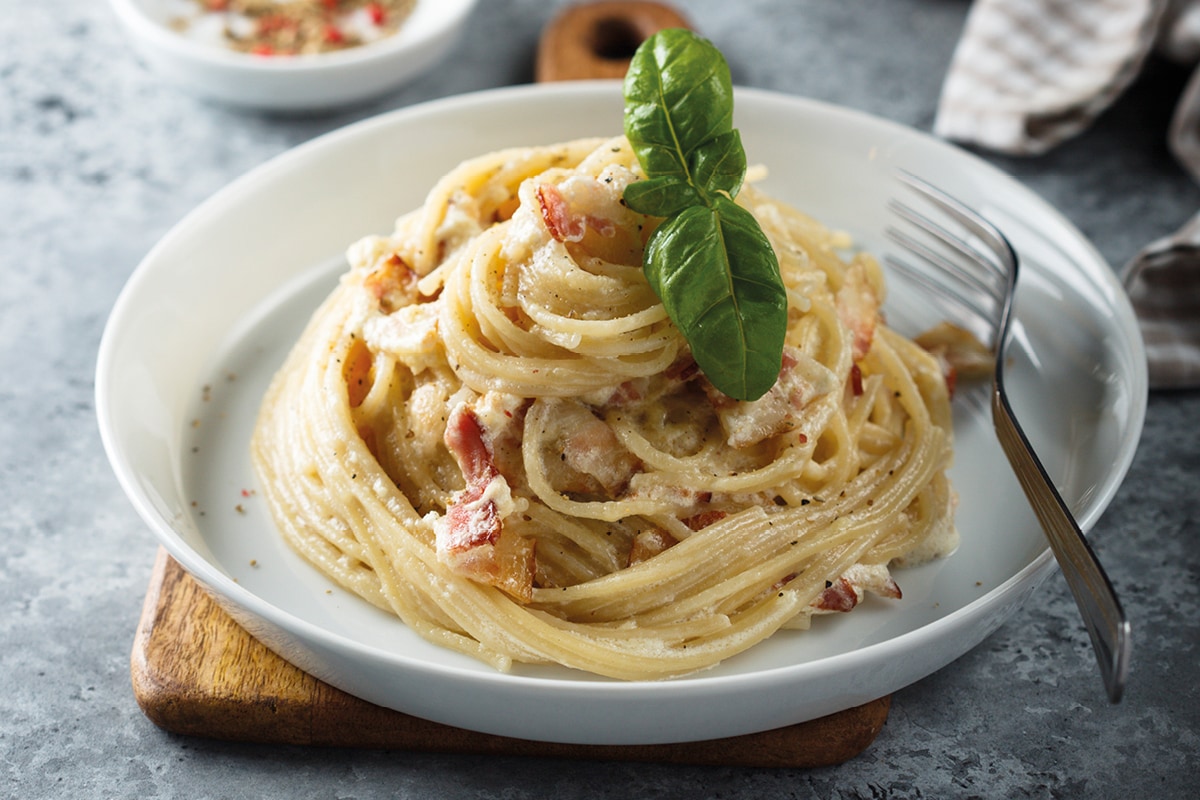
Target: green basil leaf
[719,165]
[678,95]
[660,197]
[710,263]
[718,278]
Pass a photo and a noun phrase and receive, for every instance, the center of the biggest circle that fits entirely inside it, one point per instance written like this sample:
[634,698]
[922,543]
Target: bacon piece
[848,590]
[393,283]
[473,518]
[516,564]
[409,333]
[646,388]
[959,353]
[502,418]
[683,369]
[704,519]
[858,308]
[649,543]
[838,596]
[747,423]
[591,449]
[470,537]
[356,371]
[589,217]
[563,223]
[629,392]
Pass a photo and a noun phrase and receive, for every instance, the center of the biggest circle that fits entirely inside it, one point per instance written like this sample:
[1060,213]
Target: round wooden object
[597,39]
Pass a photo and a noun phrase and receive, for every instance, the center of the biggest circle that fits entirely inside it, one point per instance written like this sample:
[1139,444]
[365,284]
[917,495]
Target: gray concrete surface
[98,159]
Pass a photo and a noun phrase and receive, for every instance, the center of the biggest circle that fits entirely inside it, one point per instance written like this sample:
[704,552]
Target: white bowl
[293,83]
[221,299]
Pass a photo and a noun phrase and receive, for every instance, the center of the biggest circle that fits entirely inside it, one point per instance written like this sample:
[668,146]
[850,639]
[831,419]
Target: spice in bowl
[291,27]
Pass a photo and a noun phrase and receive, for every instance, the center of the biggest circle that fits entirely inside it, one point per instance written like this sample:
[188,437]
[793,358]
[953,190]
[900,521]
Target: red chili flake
[334,35]
[856,385]
[376,13]
[263,50]
[217,5]
[330,4]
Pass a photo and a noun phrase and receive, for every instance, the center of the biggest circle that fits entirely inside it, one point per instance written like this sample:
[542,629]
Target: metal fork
[968,262]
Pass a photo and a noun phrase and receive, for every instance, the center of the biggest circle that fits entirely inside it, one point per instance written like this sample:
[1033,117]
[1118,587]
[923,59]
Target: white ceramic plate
[208,316]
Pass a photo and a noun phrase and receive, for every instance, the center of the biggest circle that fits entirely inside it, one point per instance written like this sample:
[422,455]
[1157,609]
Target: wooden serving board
[197,672]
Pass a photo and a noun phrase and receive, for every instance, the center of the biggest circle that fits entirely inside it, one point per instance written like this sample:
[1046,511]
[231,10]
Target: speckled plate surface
[209,314]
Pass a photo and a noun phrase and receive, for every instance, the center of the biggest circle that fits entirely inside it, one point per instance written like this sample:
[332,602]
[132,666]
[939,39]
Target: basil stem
[709,261]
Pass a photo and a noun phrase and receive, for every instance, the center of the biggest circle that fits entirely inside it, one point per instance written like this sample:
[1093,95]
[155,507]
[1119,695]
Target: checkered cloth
[1163,282]
[1029,74]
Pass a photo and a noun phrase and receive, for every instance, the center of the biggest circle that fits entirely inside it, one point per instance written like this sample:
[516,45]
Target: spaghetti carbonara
[492,430]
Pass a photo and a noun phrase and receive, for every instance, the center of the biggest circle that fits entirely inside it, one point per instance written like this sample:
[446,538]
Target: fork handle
[1098,604]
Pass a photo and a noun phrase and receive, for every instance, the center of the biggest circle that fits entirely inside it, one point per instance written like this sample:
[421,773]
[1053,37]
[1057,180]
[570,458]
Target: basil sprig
[709,262]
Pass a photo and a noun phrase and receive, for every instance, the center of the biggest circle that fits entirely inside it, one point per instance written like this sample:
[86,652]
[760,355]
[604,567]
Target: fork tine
[998,246]
[1099,607]
[976,279]
[968,289]
[997,258]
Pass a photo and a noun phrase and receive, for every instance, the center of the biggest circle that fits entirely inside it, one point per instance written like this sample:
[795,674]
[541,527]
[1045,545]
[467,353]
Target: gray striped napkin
[1163,282]
[1029,74]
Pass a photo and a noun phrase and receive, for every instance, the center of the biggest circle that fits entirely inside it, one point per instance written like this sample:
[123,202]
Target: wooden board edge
[186,688]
